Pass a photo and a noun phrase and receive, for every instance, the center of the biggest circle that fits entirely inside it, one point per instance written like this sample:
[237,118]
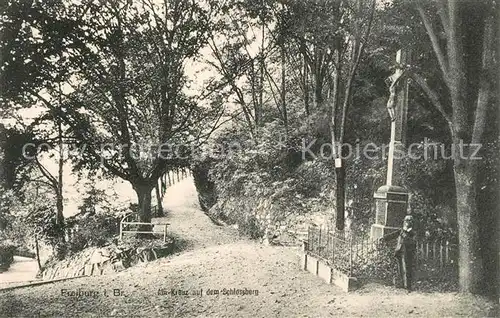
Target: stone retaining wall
[330,275]
[104,260]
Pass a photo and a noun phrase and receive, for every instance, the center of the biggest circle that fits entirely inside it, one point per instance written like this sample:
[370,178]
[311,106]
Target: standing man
[405,252]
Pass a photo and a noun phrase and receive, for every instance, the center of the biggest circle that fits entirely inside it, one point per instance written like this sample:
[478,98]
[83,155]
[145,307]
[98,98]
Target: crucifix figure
[397,106]
[392,81]
[391,198]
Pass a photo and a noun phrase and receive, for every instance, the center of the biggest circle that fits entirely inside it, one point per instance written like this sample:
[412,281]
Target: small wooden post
[350,256]
[418,255]
[363,248]
[305,248]
[165,233]
[309,239]
[447,257]
[327,247]
[333,250]
[319,242]
[434,249]
[441,263]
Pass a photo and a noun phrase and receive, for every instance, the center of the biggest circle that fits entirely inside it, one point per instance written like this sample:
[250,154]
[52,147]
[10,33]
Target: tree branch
[47,175]
[432,95]
[83,138]
[43,182]
[443,15]
[435,43]
[484,83]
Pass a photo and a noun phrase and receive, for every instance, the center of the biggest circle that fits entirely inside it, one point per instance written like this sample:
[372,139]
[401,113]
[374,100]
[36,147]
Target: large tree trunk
[466,73]
[258,115]
[159,198]
[163,184]
[37,251]
[143,191]
[340,195]
[318,89]
[283,84]
[339,169]
[59,196]
[59,207]
[306,87]
[470,259]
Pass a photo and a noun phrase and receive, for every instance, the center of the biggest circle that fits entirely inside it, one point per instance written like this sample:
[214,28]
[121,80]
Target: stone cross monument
[391,200]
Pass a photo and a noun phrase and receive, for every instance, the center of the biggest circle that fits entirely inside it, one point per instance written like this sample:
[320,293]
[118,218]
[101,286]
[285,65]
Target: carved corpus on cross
[397,107]
[391,200]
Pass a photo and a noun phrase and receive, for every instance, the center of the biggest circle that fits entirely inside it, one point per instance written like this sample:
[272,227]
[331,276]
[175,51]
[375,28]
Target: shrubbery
[93,230]
[271,184]
[7,250]
[265,184]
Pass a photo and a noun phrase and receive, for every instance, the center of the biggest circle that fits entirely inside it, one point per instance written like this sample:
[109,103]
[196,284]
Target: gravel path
[188,223]
[215,260]
[22,270]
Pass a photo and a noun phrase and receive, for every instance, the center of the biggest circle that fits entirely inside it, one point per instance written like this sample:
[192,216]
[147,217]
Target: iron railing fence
[355,255]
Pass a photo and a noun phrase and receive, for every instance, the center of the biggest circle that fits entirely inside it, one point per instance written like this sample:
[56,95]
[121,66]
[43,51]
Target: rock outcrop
[108,259]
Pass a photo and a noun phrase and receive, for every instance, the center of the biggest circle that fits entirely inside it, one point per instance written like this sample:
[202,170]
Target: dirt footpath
[220,274]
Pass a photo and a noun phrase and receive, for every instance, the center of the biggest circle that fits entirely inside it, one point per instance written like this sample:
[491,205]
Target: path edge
[43,282]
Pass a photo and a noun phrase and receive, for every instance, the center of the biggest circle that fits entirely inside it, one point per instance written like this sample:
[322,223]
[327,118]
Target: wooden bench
[127,222]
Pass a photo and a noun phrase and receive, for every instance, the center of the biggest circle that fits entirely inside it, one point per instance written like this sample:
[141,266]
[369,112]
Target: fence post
[333,250]
[447,256]
[165,233]
[319,243]
[418,254]
[328,244]
[121,231]
[440,253]
[363,248]
[309,239]
[305,246]
[434,249]
[350,255]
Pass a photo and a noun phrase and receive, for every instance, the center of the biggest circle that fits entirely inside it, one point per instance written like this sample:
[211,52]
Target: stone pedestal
[391,204]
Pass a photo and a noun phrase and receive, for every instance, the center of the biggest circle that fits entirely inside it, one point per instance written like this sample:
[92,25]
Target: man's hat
[408,218]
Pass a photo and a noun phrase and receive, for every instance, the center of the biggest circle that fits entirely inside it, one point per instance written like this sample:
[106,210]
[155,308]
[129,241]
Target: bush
[93,230]
[382,267]
[265,185]
[273,178]
[7,251]
[204,186]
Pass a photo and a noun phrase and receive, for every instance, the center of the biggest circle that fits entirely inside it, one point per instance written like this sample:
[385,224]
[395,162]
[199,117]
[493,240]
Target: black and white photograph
[249,158]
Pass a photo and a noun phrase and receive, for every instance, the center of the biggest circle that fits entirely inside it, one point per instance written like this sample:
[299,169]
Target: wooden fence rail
[125,227]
